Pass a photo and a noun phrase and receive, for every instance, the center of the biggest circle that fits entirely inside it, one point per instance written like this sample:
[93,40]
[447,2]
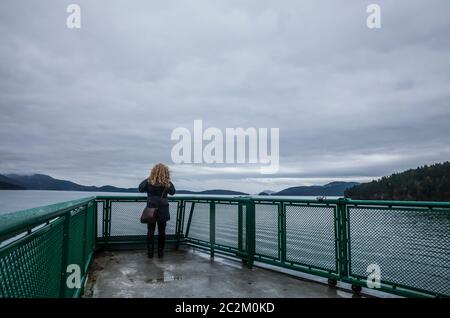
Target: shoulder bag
[150,214]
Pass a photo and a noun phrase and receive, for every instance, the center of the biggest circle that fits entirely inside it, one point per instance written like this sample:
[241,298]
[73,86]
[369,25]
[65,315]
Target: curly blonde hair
[160,175]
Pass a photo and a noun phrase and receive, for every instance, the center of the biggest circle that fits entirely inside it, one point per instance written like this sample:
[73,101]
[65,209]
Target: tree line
[426,183]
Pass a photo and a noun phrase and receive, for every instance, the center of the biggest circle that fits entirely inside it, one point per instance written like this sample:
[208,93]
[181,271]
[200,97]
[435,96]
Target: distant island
[9,184]
[426,183]
[267,192]
[45,182]
[212,192]
[336,189]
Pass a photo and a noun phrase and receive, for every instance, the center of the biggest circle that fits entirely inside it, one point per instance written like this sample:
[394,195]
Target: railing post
[178,229]
[95,220]
[104,221]
[337,240]
[183,214]
[240,229]
[282,231]
[343,238]
[212,226]
[250,232]
[177,224]
[188,226]
[107,222]
[85,249]
[65,254]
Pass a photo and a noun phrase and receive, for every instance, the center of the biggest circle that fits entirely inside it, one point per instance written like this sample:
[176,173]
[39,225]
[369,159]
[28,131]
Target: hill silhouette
[426,183]
[336,188]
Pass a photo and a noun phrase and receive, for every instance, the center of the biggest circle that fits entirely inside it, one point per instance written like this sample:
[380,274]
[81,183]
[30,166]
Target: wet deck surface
[190,273]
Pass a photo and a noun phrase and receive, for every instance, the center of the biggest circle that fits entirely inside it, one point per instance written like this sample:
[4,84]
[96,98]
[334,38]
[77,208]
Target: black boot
[150,247]
[161,241]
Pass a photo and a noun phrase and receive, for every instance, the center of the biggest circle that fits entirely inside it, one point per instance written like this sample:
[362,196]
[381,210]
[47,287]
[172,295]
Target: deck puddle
[167,277]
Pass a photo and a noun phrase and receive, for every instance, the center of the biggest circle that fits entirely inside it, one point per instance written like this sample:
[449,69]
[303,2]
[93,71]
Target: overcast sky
[97,105]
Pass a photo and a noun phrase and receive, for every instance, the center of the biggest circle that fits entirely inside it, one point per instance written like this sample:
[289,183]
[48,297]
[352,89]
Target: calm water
[16,200]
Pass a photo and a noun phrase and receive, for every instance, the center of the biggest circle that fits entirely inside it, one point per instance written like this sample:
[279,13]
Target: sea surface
[16,200]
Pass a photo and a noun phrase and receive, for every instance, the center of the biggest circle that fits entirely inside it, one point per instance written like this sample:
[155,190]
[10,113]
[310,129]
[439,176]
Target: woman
[158,186]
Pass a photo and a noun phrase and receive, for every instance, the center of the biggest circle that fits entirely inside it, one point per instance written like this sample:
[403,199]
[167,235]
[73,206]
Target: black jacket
[154,199]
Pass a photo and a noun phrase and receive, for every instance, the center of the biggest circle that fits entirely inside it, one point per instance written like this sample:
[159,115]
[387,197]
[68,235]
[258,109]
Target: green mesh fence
[267,225]
[125,218]
[218,224]
[227,218]
[200,223]
[37,245]
[298,235]
[337,239]
[31,266]
[91,228]
[310,236]
[118,222]
[411,246]
[76,230]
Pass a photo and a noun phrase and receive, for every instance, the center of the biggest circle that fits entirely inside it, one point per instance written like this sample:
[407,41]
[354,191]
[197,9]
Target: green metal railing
[38,245]
[337,239]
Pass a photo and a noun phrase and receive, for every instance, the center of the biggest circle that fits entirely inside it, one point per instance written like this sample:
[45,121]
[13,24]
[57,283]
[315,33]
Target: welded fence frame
[342,241]
[386,286]
[23,227]
[282,261]
[243,251]
[247,234]
[25,222]
[109,242]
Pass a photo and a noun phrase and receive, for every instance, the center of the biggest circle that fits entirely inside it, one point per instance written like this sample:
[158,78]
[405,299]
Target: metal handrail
[15,222]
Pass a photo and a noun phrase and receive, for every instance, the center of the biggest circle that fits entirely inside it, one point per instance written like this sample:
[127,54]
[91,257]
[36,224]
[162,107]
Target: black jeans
[161,236]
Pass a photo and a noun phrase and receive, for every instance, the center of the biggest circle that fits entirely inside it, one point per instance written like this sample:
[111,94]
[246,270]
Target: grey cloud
[98,105]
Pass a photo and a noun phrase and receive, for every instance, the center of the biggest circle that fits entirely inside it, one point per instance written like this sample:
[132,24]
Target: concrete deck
[191,273]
